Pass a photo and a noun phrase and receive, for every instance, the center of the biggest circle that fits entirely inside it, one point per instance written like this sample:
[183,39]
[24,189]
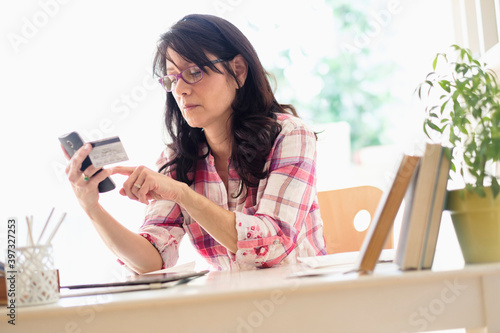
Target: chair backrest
[339,208]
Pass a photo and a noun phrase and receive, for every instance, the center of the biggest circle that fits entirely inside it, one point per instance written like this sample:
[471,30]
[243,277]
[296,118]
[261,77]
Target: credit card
[107,151]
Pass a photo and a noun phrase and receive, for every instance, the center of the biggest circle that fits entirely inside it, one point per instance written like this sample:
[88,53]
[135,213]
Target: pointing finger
[122,170]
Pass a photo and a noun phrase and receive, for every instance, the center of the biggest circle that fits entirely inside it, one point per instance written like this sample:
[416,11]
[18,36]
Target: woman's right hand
[86,191]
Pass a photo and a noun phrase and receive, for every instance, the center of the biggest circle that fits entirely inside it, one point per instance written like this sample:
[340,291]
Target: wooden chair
[338,209]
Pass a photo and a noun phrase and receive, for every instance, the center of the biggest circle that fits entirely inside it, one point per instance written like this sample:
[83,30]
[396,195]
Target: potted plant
[463,111]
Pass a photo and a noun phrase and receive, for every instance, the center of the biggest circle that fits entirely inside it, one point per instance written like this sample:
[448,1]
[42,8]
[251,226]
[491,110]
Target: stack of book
[421,181]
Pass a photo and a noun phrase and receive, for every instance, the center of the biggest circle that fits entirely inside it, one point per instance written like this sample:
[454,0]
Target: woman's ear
[240,68]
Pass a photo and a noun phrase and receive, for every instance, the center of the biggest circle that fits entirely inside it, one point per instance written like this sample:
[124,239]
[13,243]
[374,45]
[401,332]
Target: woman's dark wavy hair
[253,123]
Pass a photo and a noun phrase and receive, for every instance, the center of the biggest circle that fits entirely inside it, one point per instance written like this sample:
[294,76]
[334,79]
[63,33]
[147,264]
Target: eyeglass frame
[179,76]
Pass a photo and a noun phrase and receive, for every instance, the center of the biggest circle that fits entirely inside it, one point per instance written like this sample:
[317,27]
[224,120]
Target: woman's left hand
[144,184]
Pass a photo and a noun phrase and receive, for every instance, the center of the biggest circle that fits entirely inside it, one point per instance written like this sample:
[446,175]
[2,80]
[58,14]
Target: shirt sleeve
[282,216]
[163,229]
[163,224]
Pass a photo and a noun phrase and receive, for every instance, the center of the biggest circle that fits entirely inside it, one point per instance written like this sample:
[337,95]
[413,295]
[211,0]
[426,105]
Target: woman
[239,174]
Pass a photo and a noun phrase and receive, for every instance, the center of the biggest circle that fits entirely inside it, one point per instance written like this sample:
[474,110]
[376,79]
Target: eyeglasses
[190,75]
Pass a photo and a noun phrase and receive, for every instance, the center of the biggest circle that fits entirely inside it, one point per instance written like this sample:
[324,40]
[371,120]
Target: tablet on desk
[141,280]
[132,283]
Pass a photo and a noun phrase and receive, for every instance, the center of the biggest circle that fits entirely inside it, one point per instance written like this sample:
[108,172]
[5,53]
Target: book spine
[403,233]
[387,210]
[437,207]
[414,227]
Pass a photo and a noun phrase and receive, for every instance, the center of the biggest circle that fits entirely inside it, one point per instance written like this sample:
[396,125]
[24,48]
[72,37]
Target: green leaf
[444,127]
[425,129]
[495,188]
[467,160]
[443,106]
[445,85]
[463,129]
[434,63]
[469,56]
[453,137]
[471,147]
[430,74]
[434,107]
[480,191]
[434,127]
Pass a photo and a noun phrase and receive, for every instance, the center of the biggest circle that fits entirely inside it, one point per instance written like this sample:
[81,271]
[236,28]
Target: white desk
[267,301]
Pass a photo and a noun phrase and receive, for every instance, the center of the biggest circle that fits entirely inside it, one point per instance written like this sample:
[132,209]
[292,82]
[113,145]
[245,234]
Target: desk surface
[270,301]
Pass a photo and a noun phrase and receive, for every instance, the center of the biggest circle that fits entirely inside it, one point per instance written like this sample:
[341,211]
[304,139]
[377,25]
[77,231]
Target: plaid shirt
[276,223]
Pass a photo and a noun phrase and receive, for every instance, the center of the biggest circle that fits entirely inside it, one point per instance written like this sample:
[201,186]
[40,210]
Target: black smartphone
[71,142]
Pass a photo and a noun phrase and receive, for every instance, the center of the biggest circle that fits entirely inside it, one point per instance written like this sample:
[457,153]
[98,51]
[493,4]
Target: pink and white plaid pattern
[277,222]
